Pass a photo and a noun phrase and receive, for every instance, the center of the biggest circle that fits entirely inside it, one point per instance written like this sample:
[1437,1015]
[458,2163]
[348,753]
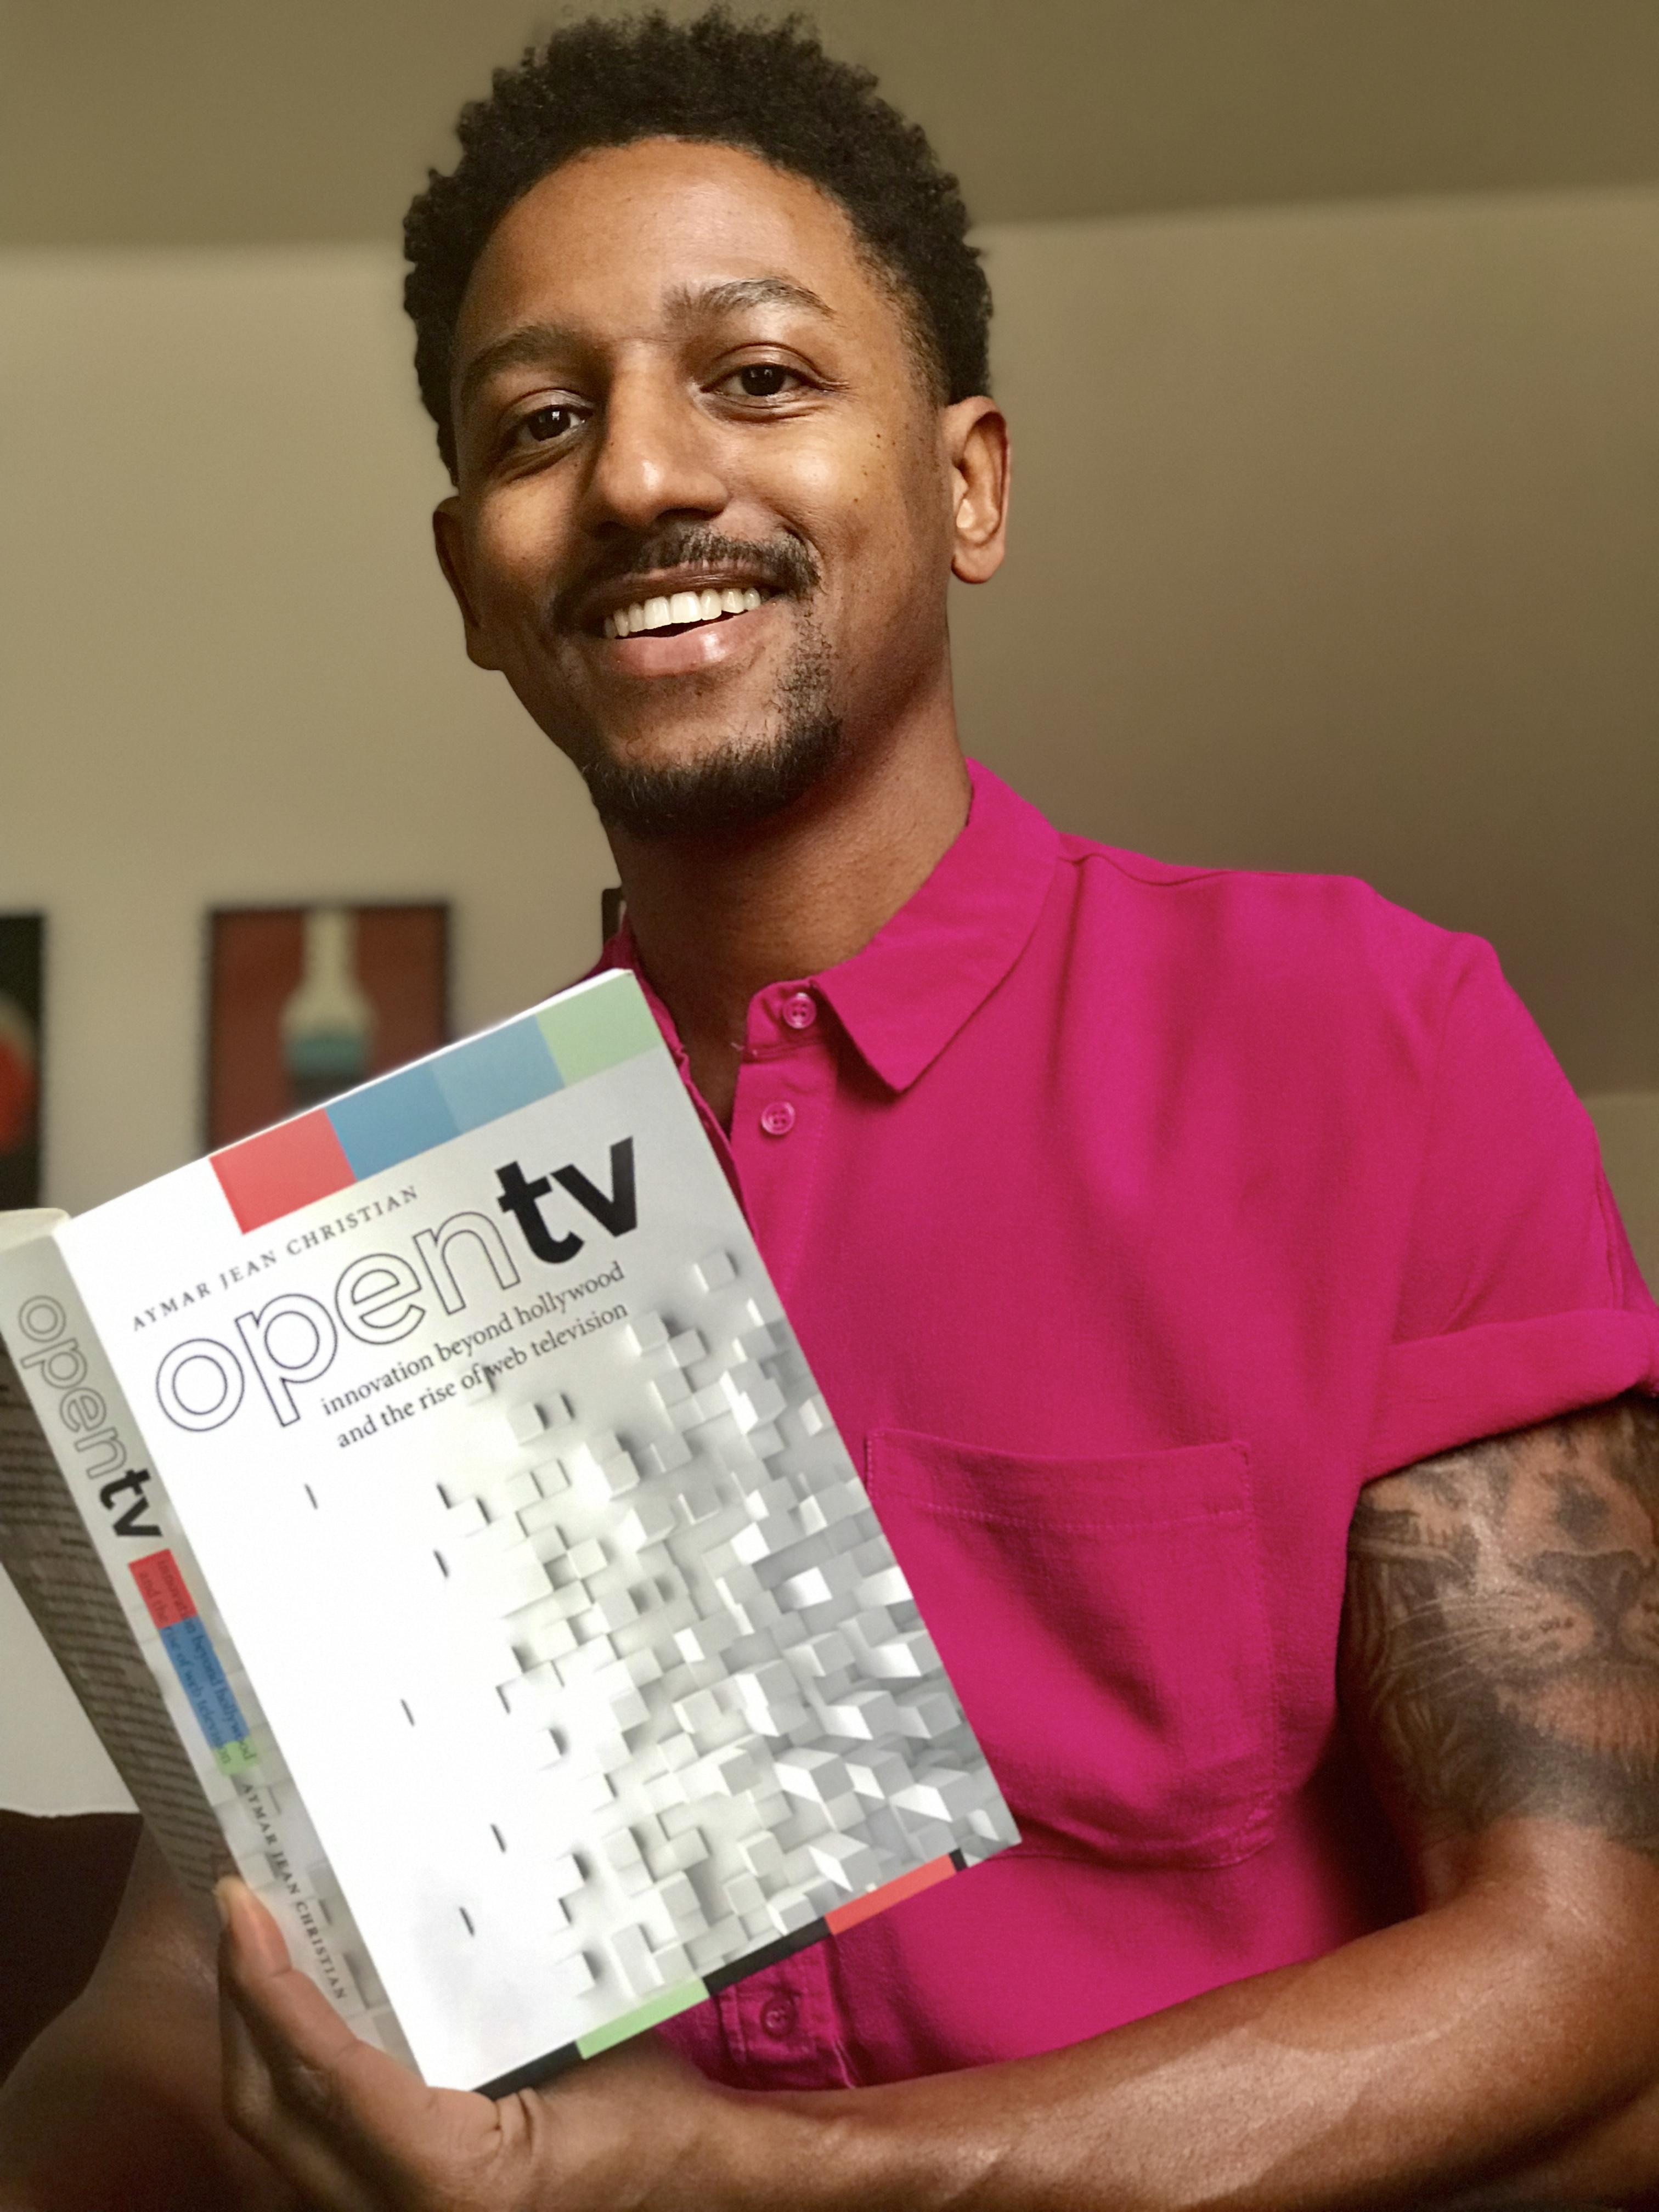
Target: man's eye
[764,380]
[544,424]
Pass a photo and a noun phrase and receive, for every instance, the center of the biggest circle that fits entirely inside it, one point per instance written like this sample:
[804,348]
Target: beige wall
[1337,541]
[1627,1123]
[50,1760]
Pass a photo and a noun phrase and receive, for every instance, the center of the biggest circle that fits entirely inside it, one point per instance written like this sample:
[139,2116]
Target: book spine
[94,1549]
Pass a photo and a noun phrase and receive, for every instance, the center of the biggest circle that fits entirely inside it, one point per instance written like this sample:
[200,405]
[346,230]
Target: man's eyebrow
[527,347]
[741,292]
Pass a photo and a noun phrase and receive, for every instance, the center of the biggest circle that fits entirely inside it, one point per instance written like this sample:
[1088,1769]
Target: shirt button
[778,2015]
[778,1119]
[799,1011]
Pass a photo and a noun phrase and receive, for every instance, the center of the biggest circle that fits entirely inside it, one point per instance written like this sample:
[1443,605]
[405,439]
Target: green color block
[599,1027]
[236,1758]
[649,2015]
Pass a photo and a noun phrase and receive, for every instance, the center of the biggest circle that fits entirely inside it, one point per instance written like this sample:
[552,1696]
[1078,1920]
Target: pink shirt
[1132,1217]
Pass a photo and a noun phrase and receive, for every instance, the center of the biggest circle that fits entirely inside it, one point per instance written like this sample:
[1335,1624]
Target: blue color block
[507,1068]
[392,1120]
[197,1665]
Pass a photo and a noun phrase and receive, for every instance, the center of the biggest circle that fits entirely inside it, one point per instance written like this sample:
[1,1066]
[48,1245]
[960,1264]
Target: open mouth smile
[677,611]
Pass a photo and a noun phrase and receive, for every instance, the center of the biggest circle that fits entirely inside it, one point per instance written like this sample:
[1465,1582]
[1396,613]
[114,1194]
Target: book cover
[522,1618]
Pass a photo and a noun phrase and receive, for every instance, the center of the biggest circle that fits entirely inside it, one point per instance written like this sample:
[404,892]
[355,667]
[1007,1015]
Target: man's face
[706,507]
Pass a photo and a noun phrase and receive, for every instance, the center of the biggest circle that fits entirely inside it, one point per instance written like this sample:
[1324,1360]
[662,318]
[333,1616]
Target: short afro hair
[768,88]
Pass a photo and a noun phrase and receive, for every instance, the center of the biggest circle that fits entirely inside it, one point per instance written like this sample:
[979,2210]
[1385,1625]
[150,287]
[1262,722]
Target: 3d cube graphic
[711,1701]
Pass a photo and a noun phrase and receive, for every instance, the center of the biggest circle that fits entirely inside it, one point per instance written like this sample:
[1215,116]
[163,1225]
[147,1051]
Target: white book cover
[519,1609]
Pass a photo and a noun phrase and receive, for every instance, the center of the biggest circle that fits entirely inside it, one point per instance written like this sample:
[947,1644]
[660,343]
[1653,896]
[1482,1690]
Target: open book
[440,1521]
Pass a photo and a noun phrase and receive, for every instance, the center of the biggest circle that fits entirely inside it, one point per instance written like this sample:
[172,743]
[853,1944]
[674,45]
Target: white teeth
[680,608]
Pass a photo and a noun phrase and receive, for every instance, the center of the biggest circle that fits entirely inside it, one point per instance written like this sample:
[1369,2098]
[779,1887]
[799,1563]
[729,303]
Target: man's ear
[449,539]
[976,440]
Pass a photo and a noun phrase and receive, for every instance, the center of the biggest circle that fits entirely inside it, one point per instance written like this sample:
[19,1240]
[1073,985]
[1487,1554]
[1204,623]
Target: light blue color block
[390,1121]
[507,1068]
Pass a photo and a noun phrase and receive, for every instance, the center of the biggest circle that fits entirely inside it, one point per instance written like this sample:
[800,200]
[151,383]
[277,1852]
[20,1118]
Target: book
[433,1510]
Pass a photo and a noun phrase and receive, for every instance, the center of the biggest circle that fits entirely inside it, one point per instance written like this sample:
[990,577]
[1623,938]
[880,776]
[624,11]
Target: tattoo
[1500,1647]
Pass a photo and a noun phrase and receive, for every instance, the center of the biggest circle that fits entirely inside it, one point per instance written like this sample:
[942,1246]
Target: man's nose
[656,456]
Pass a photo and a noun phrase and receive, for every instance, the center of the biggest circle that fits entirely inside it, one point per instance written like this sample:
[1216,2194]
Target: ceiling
[219,121]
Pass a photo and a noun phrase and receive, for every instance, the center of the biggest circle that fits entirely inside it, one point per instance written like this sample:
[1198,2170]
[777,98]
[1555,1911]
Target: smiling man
[1167,1240]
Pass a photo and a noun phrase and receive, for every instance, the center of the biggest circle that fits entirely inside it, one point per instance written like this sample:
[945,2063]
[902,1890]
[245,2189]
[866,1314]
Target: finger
[252,2110]
[315,2060]
[299,2085]
[328,2089]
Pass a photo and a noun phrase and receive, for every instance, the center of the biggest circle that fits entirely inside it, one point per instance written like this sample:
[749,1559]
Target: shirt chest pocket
[1104,1624]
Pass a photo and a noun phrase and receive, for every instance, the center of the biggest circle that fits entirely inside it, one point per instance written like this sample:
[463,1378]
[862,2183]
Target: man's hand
[356,2132]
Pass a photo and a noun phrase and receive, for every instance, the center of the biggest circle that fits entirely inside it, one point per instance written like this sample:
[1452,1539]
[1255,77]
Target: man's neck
[717,921]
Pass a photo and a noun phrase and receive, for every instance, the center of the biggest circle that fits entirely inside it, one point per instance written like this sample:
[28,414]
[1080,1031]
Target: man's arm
[1501,1643]
[117,2104]
[1501,1665]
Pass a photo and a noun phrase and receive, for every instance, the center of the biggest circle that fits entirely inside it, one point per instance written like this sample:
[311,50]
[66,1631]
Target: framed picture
[22,1010]
[304,1001]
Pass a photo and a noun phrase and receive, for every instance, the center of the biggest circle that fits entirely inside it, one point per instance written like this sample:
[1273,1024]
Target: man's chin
[734,788]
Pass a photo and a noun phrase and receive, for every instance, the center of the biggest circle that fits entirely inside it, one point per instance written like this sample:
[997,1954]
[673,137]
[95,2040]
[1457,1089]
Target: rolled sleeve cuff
[1439,1392]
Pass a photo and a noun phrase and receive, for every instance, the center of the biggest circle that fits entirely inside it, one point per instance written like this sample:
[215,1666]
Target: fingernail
[222,1899]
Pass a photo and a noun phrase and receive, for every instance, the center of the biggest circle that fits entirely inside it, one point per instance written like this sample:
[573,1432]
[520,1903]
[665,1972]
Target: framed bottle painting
[304,1001]
[23,1013]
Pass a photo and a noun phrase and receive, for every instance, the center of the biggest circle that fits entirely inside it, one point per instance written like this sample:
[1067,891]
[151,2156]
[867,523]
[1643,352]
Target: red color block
[161,1587]
[891,1892]
[282,1169]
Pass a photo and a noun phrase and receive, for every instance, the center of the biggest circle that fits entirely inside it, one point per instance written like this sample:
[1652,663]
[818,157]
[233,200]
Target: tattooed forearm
[1501,1635]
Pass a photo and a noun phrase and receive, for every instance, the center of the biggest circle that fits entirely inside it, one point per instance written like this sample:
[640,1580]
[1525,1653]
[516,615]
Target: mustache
[783,562]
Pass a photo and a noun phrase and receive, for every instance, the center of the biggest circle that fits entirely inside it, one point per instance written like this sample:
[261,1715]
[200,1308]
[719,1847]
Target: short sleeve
[1520,1299]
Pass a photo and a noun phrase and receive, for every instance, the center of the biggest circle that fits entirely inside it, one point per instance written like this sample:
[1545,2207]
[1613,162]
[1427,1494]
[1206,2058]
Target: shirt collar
[929,970]
[923,973]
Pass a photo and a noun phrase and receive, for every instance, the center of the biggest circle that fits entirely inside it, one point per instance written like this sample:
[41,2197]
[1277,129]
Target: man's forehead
[669,229]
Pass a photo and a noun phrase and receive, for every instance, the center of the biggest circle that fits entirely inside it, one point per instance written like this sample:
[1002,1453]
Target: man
[1166,1241]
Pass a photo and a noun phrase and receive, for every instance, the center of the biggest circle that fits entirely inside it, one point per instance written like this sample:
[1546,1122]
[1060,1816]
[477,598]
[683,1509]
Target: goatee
[736,787]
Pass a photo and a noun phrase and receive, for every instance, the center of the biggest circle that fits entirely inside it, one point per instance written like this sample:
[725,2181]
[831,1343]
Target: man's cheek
[516,550]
